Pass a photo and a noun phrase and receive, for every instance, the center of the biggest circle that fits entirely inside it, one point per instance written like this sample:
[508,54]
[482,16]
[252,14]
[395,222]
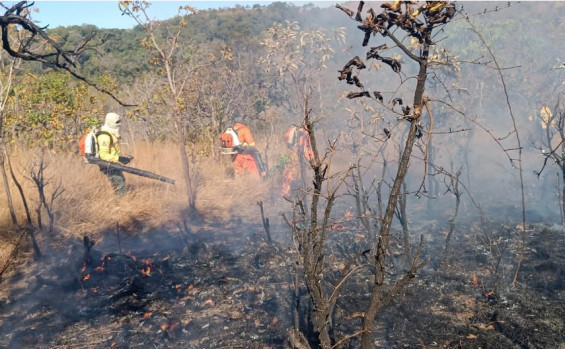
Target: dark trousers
[116,178]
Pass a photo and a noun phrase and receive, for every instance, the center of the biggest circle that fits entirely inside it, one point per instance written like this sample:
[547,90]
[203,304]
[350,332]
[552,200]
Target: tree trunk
[376,301]
[320,316]
[561,201]
[185,165]
[186,173]
[7,190]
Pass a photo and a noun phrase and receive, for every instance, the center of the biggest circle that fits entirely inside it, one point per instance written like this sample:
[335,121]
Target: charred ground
[223,286]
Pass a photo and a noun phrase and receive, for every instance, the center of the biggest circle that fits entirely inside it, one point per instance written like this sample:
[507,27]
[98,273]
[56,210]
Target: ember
[146,271]
[489,295]
[209,297]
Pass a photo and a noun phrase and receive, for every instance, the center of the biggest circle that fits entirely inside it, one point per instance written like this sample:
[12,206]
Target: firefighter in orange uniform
[247,159]
[298,141]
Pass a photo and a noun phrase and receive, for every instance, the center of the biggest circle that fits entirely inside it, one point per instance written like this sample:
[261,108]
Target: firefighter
[247,159]
[109,150]
[297,140]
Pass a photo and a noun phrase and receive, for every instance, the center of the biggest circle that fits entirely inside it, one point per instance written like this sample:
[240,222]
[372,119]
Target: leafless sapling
[434,15]
[552,145]
[310,234]
[453,187]
[37,173]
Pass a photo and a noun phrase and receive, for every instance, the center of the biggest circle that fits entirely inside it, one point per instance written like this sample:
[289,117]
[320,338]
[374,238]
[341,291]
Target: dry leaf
[235,315]
[355,315]
[274,322]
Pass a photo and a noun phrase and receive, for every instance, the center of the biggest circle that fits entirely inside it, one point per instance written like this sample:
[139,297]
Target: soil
[224,286]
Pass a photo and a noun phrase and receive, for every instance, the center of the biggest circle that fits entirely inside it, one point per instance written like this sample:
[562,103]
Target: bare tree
[176,68]
[37,173]
[419,23]
[34,44]
[552,143]
[310,233]
[453,186]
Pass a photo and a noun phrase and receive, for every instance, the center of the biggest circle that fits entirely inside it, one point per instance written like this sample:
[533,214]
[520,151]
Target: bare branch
[25,49]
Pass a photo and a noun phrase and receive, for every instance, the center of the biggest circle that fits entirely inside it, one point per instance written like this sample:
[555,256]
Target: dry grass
[88,204]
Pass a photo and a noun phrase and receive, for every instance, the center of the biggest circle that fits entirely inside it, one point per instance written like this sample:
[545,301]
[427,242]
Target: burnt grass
[224,286]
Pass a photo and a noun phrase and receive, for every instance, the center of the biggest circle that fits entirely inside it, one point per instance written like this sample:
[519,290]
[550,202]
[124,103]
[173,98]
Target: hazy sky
[105,14]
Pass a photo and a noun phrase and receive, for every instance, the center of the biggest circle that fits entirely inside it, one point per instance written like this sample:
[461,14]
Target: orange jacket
[298,139]
[244,135]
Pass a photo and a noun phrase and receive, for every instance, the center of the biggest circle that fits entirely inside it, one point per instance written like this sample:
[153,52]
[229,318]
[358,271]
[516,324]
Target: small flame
[173,325]
[337,227]
[147,315]
[83,267]
[475,281]
[147,260]
[86,277]
[146,271]
[170,327]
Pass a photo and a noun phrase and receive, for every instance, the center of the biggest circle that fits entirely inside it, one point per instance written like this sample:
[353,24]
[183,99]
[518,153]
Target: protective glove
[125,159]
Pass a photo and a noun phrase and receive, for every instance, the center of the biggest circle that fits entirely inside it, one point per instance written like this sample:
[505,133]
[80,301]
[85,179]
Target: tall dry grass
[89,206]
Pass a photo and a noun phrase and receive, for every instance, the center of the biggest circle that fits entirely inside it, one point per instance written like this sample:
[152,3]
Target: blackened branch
[17,15]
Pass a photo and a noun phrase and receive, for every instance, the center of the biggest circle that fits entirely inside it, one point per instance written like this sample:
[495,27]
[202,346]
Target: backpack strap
[107,134]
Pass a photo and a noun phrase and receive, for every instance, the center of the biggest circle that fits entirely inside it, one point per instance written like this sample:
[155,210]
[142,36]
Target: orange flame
[146,271]
[173,325]
[170,327]
[147,260]
[86,277]
[83,267]
[475,281]
[147,315]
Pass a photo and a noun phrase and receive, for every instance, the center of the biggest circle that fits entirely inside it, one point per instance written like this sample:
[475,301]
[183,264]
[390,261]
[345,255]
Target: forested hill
[524,37]
[123,57]
[522,31]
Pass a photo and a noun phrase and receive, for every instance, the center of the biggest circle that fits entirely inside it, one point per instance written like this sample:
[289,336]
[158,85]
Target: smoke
[472,122]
